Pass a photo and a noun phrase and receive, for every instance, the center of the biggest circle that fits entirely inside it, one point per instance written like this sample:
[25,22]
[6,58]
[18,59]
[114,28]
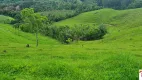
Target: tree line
[10,7]
[13,7]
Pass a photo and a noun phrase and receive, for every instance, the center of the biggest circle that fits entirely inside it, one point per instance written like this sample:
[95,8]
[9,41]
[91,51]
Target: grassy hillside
[131,17]
[5,19]
[10,35]
[123,26]
[116,57]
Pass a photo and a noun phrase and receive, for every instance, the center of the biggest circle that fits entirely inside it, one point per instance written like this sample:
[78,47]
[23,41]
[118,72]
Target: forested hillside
[8,7]
[51,7]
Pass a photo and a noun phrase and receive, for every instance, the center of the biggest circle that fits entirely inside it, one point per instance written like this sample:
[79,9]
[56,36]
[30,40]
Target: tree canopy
[32,22]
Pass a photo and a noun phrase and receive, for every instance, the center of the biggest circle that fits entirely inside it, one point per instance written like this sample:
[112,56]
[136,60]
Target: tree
[32,22]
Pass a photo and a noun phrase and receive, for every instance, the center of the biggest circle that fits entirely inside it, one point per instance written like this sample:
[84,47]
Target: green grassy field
[118,56]
[5,19]
[107,16]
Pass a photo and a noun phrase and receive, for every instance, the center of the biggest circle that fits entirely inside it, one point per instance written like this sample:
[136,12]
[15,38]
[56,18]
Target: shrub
[69,40]
[67,34]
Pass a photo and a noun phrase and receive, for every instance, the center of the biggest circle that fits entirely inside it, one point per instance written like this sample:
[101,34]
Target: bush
[67,34]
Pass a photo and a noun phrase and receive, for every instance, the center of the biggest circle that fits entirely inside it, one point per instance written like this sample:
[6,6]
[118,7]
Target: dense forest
[10,8]
[65,8]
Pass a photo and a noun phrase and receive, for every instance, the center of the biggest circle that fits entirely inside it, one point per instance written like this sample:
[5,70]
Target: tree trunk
[36,39]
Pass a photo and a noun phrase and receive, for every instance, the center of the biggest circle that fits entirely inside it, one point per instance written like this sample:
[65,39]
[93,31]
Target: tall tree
[32,22]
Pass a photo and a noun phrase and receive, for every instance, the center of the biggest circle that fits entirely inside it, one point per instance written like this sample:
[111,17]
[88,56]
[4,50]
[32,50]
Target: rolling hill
[10,35]
[121,24]
[130,17]
[115,57]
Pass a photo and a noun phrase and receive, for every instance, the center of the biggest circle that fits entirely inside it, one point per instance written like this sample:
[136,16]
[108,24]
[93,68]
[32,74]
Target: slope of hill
[131,17]
[116,57]
[5,19]
[123,25]
[10,35]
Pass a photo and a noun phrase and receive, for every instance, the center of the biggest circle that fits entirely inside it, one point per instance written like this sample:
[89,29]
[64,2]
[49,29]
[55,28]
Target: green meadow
[118,56]
[5,19]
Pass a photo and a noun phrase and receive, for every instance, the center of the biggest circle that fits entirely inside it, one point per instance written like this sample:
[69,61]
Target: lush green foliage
[58,15]
[136,4]
[11,8]
[32,22]
[116,4]
[68,34]
[58,10]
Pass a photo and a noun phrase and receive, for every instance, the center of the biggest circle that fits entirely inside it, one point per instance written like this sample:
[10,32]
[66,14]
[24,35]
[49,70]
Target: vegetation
[68,34]
[101,44]
[110,17]
[5,19]
[32,22]
[58,15]
[65,8]
[35,23]
[13,7]
[117,55]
